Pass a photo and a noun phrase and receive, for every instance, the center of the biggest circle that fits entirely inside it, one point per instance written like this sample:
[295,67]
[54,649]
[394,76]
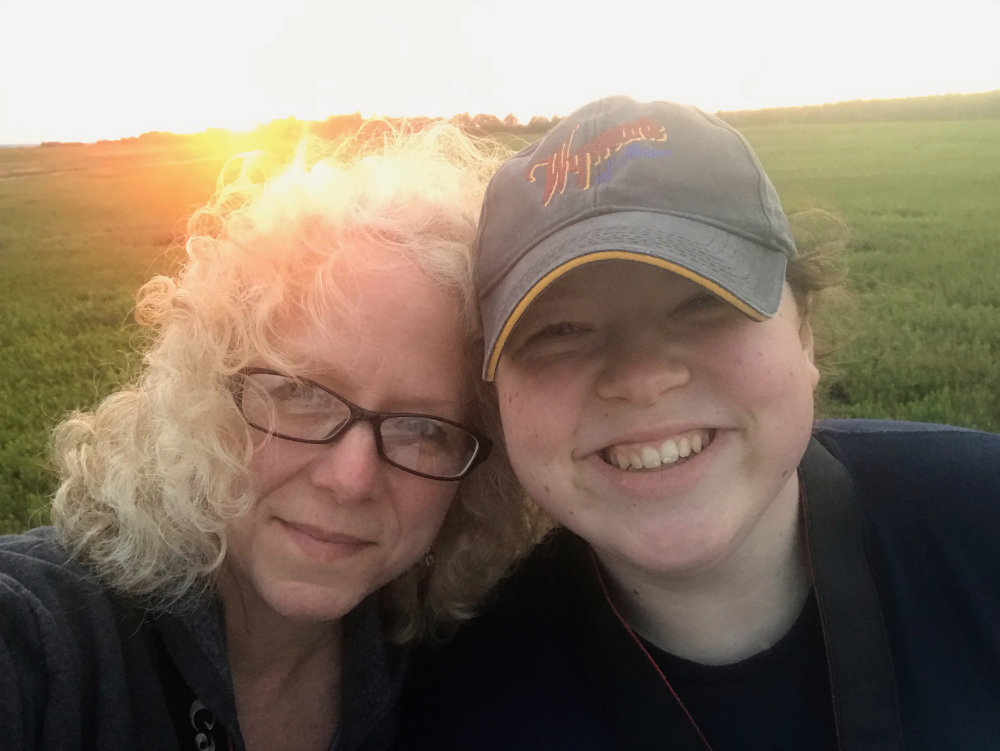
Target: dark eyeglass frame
[360,414]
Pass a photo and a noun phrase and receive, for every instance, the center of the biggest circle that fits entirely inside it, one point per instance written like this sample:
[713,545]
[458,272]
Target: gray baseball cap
[654,182]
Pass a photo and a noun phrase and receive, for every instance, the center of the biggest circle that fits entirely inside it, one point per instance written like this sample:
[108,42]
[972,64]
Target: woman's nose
[641,367]
[349,467]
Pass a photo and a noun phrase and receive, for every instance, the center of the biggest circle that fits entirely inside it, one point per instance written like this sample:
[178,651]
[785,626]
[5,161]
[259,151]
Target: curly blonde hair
[151,479]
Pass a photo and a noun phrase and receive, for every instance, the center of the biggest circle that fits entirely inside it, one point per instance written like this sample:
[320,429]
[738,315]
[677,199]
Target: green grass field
[82,227]
[921,202]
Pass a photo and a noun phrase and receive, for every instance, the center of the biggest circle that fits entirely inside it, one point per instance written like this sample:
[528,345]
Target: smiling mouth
[323,536]
[638,457]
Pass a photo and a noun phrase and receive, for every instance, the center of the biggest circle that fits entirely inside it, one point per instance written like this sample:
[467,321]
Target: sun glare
[114,68]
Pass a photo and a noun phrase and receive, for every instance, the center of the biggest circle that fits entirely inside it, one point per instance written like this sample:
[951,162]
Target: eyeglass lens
[300,410]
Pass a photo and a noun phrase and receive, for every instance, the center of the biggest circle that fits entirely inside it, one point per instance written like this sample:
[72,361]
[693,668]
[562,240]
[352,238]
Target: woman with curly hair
[295,487]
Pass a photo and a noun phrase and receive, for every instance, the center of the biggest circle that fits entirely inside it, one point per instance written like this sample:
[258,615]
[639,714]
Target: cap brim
[748,275]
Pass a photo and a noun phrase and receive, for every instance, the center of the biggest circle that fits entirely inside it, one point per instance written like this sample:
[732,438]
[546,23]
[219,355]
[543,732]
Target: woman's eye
[702,300]
[293,395]
[563,328]
[554,339]
[415,427]
[705,304]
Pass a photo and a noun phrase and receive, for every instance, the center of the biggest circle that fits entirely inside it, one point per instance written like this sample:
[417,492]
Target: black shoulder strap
[865,702]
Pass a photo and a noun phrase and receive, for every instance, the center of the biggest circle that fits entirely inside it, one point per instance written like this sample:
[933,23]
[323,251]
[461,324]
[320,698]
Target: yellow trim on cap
[605,255]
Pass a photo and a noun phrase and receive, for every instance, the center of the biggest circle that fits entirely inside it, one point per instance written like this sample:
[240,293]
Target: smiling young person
[726,573]
[247,539]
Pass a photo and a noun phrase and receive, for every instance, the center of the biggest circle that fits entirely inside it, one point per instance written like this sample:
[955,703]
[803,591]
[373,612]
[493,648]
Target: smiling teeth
[668,452]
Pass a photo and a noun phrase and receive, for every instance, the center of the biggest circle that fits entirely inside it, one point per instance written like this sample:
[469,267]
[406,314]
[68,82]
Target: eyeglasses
[298,409]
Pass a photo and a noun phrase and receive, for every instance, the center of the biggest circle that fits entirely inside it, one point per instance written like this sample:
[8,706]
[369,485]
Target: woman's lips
[324,545]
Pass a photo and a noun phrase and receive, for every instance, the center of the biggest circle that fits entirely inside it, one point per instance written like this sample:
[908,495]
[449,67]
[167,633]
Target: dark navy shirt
[918,518]
[81,669]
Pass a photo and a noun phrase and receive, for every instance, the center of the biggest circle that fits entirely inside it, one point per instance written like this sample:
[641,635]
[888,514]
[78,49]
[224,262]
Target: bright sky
[72,70]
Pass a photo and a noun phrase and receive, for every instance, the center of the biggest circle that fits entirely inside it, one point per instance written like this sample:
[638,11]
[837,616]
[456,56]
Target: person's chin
[304,601]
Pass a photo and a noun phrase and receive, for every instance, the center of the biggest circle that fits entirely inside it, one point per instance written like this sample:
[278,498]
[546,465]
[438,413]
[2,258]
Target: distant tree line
[290,129]
[946,107]
[339,125]
[492,124]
